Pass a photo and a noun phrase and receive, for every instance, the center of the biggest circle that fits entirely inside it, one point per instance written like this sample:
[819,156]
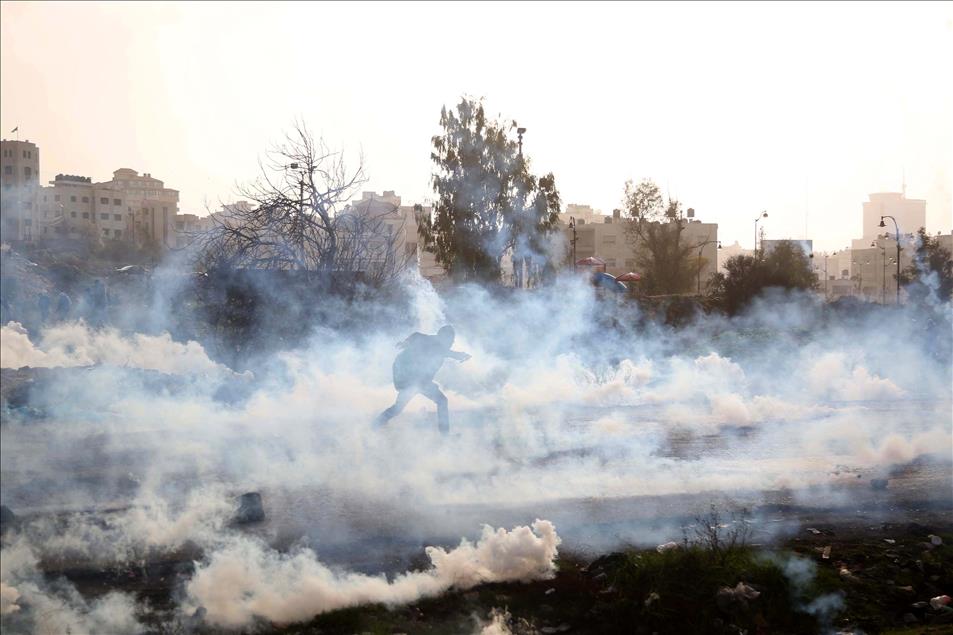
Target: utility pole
[897,230]
[518,257]
[763,215]
[698,289]
[572,226]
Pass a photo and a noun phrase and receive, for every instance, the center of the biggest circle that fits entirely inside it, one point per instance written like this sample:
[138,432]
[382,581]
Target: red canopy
[591,260]
[629,277]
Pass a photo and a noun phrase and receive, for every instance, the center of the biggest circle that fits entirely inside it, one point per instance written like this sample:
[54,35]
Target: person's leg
[403,397]
[432,391]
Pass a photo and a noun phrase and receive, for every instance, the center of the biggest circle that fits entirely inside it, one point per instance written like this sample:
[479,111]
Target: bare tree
[297,218]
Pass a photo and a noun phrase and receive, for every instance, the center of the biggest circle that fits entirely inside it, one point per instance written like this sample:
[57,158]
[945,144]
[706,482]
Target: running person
[414,370]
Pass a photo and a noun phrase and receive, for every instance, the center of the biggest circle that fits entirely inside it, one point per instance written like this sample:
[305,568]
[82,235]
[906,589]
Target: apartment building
[73,206]
[19,174]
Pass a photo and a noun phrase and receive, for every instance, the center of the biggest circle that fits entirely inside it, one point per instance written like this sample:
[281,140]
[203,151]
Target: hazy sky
[733,108]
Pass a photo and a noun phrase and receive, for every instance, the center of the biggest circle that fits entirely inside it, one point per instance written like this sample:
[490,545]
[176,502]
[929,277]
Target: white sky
[733,108]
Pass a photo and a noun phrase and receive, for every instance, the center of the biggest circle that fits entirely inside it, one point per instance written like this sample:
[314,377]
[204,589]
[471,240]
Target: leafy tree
[745,277]
[488,202]
[656,231]
[931,274]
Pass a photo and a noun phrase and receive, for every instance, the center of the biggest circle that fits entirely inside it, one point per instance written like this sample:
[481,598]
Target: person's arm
[458,355]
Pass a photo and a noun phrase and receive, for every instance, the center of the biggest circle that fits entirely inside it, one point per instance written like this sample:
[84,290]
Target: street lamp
[699,269]
[763,215]
[826,275]
[897,229]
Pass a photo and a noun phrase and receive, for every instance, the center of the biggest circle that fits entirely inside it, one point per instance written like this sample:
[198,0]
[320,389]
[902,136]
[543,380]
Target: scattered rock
[890,541]
[878,483]
[550,591]
[936,541]
[909,618]
[250,509]
[652,598]
[734,599]
[668,546]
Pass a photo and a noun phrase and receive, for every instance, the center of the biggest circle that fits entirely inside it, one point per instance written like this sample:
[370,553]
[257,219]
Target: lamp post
[763,215]
[827,278]
[698,291]
[897,229]
[572,226]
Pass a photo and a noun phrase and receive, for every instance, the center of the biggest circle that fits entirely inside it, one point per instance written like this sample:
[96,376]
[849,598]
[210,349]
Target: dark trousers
[432,392]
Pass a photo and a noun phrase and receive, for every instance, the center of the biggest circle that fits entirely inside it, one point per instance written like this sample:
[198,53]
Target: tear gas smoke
[567,398]
[244,579]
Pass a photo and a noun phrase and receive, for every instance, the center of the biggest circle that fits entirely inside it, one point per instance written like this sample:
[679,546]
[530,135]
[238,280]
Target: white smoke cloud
[245,580]
[546,410]
[59,609]
[75,344]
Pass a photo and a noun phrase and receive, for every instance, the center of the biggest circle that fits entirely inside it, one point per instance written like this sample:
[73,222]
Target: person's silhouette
[414,370]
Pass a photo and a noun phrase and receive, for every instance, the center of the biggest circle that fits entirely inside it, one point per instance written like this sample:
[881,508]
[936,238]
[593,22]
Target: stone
[250,509]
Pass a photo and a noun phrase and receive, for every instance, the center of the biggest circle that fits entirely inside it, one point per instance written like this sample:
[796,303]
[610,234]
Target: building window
[56,197]
[608,240]
[103,201]
[27,172]
[24,154]
[117,216]
[8,169]
[104,217]
[72,199]
[117,233]
[117,201]
[85,199]
[28,222]
[85,214]
[72,214]
[105,232]
[630,263]
[44,198]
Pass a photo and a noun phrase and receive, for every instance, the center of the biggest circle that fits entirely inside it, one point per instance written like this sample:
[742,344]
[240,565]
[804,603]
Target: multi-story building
[75,207]
[154,206]
[582,214]
[400,222]
[608,239]
[20,178]
[910,213]
[189,226]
